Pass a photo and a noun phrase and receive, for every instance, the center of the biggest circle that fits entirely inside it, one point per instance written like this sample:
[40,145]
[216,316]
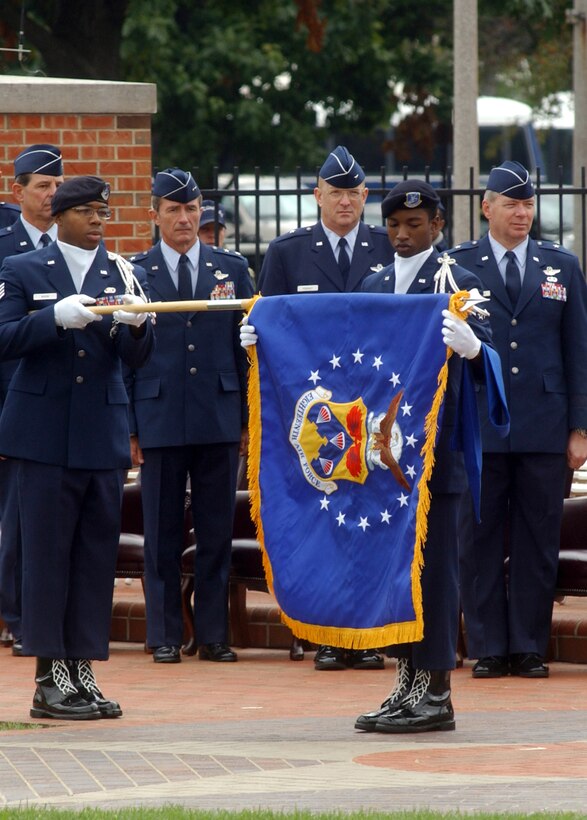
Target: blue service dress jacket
[542,344]
[14,239]
[193,391]
[9,213]
[66,404]
[302,261]
[449,474]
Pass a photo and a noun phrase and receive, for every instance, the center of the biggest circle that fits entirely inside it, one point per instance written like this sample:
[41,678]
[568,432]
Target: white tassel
[444,277]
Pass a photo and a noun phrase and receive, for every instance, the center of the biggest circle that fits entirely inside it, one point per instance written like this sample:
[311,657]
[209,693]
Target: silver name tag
[41,297]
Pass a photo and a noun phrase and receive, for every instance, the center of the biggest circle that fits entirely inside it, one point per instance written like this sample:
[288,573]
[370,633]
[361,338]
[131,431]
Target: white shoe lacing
[61,677]
[86,677]
[402,679]
[419,687]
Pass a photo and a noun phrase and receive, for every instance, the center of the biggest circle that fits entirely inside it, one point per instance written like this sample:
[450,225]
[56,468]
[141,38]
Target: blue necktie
[513,281]
[184,278]
[344,262]
[45,239]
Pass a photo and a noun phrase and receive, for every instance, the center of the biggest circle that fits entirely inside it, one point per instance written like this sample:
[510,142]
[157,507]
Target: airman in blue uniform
[65,420]
[421,698]
[189,420]
[332,256]
[38,172]
[538,314]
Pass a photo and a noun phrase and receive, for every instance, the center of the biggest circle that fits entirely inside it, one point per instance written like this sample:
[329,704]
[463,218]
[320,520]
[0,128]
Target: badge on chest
[552,288]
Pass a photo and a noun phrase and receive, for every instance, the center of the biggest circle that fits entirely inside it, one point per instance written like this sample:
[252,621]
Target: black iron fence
[259,207]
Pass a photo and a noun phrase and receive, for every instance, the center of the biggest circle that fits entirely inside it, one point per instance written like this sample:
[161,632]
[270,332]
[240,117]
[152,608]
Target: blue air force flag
[345,397]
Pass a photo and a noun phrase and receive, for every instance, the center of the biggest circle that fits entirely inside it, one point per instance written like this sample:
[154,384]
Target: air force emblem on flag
[343,442]
[345,401]
[329,439]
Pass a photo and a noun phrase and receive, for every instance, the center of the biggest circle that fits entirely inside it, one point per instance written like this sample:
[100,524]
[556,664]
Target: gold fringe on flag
[455,306]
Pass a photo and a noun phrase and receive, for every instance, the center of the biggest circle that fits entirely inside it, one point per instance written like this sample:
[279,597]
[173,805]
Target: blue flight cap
[341,169]
[209,210]
[511,179]
[79,191]
[410,194]
[175,184]
[39,159]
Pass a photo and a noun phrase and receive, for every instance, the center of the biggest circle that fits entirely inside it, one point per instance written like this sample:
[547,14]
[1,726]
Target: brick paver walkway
[268,732]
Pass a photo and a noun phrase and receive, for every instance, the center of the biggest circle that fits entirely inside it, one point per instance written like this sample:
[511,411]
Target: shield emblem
[330,439]
[413,199]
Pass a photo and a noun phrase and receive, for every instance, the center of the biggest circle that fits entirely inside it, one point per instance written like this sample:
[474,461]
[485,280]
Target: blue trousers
[212,470]
[10,549]
[70,524]
[440,589]
[508,611]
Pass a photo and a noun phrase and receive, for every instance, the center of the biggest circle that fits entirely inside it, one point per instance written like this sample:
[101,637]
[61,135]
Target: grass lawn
[177,813]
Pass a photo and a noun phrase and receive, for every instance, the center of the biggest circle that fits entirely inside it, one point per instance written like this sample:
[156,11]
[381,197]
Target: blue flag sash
[346,398]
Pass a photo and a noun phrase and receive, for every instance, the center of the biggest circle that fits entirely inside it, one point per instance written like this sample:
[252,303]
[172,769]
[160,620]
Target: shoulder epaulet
[226,252]
[376,228]
[464,246]
[548,245]
[136,257]
[295,232]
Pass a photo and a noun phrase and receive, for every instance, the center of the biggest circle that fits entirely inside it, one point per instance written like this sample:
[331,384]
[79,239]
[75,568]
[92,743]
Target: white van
[554,129]
[507,131]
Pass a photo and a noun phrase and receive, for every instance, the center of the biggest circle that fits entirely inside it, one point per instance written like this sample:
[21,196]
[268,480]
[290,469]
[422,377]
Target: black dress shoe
[296,650]
[329,658]
[365,659]
[217,652]
[17,647]
[528,665]
[427,708]
[56,696]
[166,654]
[82,677]
[493,666]
[403,684]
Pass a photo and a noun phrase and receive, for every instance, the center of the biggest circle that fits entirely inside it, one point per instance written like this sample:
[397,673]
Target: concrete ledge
[49,95]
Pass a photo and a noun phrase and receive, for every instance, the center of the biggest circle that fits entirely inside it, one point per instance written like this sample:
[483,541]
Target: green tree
[243,82]
[239,83]
[525,48]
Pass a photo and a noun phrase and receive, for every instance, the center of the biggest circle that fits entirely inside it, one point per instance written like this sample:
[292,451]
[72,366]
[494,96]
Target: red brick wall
[115,147]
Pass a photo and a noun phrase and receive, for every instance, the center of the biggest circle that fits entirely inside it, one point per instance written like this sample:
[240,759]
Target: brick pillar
[102,128]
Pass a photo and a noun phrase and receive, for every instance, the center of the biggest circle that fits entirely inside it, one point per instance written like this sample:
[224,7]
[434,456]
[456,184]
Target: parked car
[263,214]
[556,218]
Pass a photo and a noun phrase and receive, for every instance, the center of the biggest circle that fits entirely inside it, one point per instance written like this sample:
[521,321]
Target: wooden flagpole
[179,306]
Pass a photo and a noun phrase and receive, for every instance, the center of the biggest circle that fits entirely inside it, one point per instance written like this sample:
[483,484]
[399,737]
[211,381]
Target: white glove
[125,317]
[70,312]
[248,335]
[457,334]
